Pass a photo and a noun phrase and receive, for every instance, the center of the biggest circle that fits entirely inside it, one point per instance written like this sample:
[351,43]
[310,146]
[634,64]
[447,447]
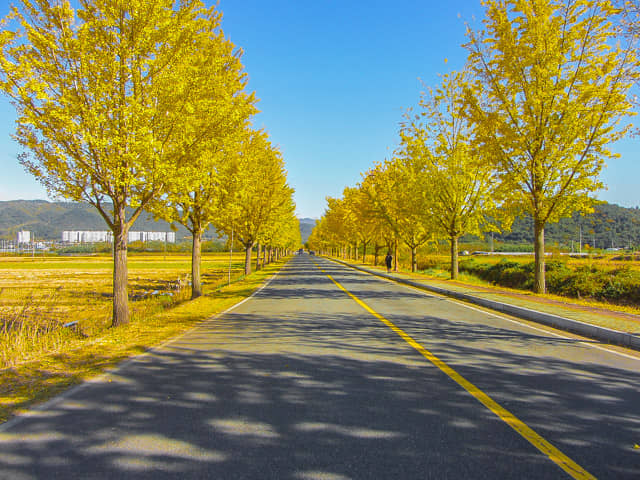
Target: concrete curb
[585,329]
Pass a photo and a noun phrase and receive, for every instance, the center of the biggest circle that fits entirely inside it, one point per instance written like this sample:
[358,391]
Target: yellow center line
[556,456]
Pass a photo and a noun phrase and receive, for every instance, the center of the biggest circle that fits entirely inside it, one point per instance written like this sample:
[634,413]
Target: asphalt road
[302,382]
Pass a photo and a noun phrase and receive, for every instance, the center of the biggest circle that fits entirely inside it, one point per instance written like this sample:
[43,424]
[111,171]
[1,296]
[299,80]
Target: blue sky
[333,78]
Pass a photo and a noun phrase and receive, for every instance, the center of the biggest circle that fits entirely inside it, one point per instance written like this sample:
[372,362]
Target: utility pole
[580,249]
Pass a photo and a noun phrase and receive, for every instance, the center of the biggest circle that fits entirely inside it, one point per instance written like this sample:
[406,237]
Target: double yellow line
[555,455]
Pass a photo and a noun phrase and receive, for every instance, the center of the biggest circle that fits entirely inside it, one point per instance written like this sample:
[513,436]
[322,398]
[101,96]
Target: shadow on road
[311,395]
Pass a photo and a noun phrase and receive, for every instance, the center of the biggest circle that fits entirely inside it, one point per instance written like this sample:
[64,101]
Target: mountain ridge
[609,226]
[47,220]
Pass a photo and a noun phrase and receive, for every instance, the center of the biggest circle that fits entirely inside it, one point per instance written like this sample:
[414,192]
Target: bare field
[38,296]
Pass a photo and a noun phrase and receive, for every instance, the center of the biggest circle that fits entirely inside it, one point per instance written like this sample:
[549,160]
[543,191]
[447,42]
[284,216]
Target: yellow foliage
[551,88]
[114,98]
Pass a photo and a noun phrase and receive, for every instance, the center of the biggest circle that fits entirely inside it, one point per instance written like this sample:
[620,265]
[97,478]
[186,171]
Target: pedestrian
[388,259]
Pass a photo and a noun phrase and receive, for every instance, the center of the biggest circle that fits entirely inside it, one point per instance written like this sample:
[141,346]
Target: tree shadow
[331,392]
[246,397]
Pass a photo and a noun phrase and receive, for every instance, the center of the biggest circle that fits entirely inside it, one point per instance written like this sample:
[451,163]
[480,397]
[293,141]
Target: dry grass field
[38,296]
[39,356]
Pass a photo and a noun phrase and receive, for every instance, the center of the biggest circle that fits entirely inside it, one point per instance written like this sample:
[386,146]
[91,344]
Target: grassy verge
[467,280]
[37,380]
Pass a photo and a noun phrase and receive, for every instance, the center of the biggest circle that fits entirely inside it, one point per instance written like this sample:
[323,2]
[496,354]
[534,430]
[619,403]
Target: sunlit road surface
[321,376]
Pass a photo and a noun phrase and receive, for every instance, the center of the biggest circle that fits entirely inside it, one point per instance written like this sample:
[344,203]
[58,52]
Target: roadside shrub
[470,265]
[627,258]
[434,263]
[558,276]
[84,248]
[507,273]
[622,286]
[584,281]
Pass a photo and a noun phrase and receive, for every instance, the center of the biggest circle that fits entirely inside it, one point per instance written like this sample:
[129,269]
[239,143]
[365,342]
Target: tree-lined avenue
[301,381]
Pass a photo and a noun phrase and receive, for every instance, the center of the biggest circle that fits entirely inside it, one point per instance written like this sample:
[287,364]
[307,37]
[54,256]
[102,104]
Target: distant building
[24,237]
[86,236]
[169,237]
[80,236]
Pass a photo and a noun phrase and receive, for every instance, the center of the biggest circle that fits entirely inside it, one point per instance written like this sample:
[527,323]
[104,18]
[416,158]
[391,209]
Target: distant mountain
[46,220]
[306,226]
[608,226]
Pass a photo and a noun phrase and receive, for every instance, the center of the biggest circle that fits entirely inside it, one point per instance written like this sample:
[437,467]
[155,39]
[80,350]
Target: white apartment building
[169,237]
[87,236]
[24,237]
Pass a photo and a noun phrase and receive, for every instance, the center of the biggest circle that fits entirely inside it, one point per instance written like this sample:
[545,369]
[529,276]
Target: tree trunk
[120,274]
[196,257]
[364,252]
[395,256]
[258,252]
[247,258]
[538,231]
[414,260]
[376,252]
[454,257]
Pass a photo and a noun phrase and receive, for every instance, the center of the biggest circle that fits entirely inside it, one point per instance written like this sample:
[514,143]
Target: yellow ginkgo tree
[111,97]
[397,194]
[195,192]
[552,85]
[363,217]
[282,235]
[343,225]
[257,195]
[460,187]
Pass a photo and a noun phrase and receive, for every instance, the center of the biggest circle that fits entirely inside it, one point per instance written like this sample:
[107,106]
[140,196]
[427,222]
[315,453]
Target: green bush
[622,286]
[558,276]
[507,273]
[84,248]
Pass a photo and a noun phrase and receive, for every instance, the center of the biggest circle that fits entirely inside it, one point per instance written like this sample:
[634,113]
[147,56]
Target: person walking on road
[388,259]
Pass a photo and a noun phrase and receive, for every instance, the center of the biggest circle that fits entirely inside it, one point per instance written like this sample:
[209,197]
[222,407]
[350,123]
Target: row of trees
[144,105]
[524,128]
